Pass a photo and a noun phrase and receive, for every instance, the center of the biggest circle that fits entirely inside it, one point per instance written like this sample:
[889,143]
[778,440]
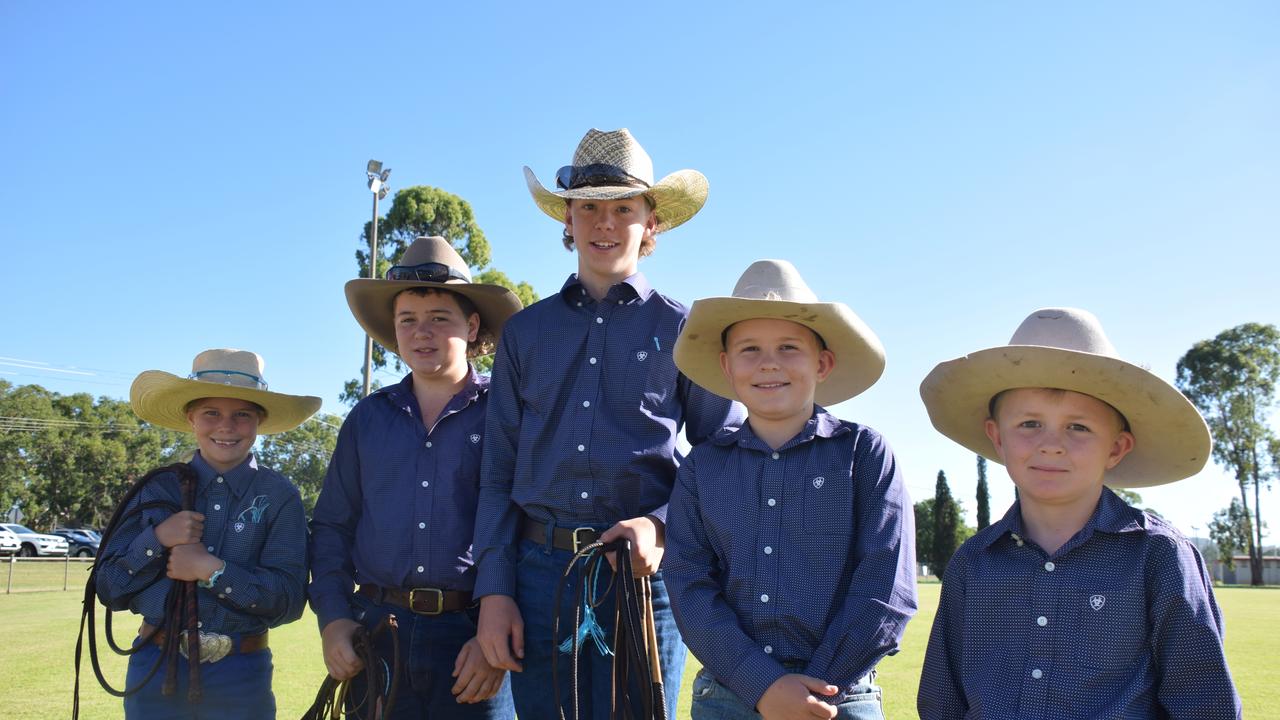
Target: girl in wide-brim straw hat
[232,532]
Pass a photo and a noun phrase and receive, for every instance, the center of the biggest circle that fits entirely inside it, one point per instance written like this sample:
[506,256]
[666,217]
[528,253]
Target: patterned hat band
[230,377]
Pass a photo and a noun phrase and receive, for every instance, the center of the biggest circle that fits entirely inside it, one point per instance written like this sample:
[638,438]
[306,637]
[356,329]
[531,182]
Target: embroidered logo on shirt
[475,438]
[641,355]
[1096,602]
[254,511]
[819,481]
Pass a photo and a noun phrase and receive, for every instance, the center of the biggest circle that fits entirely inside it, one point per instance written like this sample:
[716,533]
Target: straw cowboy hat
[612,166]
[161,398]
[1066,348]
[429,262]
[774,289]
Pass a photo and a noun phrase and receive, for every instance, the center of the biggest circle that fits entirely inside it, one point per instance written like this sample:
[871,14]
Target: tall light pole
[378,186]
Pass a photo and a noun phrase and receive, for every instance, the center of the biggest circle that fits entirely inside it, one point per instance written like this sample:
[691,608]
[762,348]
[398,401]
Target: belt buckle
[213,647]
[413,600]
[578,543]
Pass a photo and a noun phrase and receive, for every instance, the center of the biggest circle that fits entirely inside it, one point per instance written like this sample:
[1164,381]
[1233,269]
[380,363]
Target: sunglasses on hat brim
[425,272]
[572,177]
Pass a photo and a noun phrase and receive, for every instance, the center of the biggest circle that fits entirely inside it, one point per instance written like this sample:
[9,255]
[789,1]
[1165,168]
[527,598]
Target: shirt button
[579,303]
[425,483]
[217,507]
[586,403]
[584,496]
[582,448]
[219,478]
[619,302]
[422,526]
[1049,566]
[150,552]
[599,320]
[764,598]
[768,649]
[227,590]
[772,502]
[774,456]
[768,550]
[592,361]
[199,623]
[221,596]
[428,443]
[210,548]
[1042,621]
[420,568]
[1037,674]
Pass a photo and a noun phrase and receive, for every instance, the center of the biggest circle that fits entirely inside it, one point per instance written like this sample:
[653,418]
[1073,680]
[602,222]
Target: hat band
[258,382]
[572,177]
[426,272]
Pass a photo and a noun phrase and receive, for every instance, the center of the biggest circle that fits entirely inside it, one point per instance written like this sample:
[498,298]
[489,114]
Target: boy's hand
[339,657]
[501,632]
[180,528]
[790,697]
[648,537]
[191,562]
[477,679]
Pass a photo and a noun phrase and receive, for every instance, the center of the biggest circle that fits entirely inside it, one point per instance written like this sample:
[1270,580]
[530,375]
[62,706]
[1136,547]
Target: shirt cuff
[143,551]
[236,587]
[753,677]
[659,514]
[495,577]
[330,608]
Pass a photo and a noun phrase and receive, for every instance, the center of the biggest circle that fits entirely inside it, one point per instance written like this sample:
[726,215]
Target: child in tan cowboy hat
[244,543]
[581,434]
[1074,604]
[398,506]
[791,541]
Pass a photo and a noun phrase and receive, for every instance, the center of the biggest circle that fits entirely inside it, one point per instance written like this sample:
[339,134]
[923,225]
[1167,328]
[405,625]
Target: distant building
[1242,573]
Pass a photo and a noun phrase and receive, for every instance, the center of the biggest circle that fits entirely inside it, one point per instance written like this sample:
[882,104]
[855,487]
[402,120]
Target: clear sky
[178,176]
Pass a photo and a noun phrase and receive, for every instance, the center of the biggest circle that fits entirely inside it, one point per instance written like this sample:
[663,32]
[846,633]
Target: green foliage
[302,454]
[946,525]
[1229,531]
[984,495]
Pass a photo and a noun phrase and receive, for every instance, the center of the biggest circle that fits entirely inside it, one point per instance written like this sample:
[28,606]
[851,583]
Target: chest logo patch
[253,513]
[819,481]
[641,355]
[1096,602]
[475,438]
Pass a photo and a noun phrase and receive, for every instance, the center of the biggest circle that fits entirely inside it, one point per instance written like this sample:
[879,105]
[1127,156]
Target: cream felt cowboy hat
[1065,348]
[161,398]
[429,262]
[612,166]
[774,289]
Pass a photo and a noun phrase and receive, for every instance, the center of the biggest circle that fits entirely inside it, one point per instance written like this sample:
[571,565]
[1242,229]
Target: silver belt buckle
[213,647]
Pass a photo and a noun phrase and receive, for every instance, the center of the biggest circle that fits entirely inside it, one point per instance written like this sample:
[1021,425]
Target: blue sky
[175,177]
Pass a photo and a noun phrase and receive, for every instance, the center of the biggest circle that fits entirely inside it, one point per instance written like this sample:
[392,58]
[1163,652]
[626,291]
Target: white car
[9,543]
[34,543]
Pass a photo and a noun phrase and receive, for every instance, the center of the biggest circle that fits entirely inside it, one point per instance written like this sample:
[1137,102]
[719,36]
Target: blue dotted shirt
[398,504]
[1120,622]
[804,556]
[253,520]
[587,404]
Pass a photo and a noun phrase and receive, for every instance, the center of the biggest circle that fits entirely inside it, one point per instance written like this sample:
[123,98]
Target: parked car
[82,542]
[34,543]
[9,543]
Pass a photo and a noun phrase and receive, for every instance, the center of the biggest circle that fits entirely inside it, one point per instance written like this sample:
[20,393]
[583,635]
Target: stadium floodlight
[378,186]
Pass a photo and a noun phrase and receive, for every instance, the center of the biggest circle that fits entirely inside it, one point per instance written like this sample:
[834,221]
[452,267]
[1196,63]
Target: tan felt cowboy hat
[774,289]
[612,166]
[1065,348]
[161,398]
[429,262]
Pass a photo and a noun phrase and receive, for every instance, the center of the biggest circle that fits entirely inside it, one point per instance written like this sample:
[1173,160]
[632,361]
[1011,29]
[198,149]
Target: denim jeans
[429,645]
[713,701]
[237,686]
[537,574]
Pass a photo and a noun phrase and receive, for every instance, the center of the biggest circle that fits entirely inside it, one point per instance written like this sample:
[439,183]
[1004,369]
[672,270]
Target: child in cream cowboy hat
[398,507]
[1074,604]
[791,541]
[581,435]
[244,544]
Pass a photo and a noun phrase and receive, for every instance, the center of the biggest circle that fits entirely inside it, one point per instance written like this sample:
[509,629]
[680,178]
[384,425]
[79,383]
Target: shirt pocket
[1110,627]
[650,376]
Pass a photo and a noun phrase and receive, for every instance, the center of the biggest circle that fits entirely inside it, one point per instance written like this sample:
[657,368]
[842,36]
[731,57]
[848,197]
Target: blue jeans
[537,574]
[237,686]
[713,701]
[429,645]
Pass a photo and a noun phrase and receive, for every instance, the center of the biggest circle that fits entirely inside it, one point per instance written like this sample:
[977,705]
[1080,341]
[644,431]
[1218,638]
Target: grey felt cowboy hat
[429,262]
[1066,348]
[161,398]
[774,289]
[611,165]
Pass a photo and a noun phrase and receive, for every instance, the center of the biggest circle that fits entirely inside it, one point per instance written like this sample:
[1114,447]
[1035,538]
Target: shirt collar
[1112,515]
[238,477]
[401,394]
[821,424]
[573,289]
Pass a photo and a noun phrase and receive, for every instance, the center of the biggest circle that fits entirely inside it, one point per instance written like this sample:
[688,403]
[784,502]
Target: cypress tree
[946,524]
[984,496]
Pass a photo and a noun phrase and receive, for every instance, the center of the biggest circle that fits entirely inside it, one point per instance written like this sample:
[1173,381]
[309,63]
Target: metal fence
[33,574]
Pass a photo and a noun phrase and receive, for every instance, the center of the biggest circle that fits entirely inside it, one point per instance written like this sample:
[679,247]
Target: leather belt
[213,646]
[571,539]
[423,600]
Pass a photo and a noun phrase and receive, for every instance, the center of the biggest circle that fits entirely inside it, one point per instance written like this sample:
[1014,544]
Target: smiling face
[432,333]
[774,366]
[225,430]
[1057,444]
[608,235]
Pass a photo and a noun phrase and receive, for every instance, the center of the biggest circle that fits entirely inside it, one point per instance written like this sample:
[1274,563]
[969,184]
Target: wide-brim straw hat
[774,289]
[372,301]
[161,398]
[612,166]
[1066,348]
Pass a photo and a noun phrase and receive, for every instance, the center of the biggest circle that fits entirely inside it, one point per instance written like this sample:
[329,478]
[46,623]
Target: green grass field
[37,634]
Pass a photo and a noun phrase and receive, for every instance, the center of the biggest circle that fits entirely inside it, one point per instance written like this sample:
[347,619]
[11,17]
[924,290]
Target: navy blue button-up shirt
[803,556]
[398,504]
[1120,622]
[587,404]
[253,520]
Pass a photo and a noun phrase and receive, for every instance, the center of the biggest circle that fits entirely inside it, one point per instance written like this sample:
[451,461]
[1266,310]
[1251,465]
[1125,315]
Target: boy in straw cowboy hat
[791,541]
[398,506]
[1074,604]
[581,435]
[244,544]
